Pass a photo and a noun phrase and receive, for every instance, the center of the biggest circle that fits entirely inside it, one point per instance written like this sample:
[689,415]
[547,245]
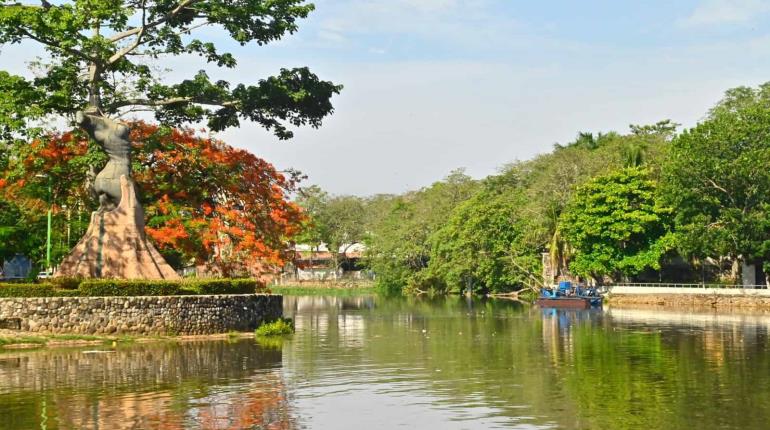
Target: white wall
[697,291]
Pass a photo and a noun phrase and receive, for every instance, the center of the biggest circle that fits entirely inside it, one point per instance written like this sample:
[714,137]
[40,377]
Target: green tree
[399,245]
[616,225]
[337,221]
[717,178]
[312,199]
[103,58]
[550,180]
[483,245]
[343,218]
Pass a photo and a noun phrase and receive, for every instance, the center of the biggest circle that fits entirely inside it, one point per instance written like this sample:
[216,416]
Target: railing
[667,285]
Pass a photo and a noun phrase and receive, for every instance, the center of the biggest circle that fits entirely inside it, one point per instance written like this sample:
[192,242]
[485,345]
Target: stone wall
[689,291]
[140,315]
[690,300]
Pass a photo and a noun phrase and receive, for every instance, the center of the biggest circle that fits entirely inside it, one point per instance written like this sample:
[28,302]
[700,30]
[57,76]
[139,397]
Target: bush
[111,288]
[279,327]
[70,287]
[225,286]
[27,290]
[65,283]
[69,293]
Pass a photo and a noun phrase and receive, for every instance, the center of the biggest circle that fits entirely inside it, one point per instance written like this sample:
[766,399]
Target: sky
[435,85]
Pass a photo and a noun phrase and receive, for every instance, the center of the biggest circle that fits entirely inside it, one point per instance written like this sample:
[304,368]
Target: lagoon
[445,363]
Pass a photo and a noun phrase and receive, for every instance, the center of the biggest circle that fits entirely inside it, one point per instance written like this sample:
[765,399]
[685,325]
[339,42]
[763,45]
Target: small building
[319,264]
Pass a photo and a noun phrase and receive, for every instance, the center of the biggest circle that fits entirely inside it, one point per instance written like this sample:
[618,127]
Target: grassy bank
[339,290]
[74,287]
[22,340]
[29,340]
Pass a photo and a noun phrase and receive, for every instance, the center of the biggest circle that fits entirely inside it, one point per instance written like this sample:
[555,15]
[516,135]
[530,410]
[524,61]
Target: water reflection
[497,364]
[449,363]
[213,385]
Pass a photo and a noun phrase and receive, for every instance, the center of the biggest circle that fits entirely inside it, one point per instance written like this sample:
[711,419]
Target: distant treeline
[651,204]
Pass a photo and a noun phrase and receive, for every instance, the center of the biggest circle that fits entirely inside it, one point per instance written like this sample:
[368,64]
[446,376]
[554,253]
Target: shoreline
[331,289]
[713,301]
[16,340]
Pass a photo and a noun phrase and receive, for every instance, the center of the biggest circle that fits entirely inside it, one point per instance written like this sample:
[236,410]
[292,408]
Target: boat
[569,297]
[569,302]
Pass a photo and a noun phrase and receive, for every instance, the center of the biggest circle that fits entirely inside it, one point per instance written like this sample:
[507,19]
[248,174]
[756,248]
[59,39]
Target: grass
[18,340]
[324,290]
[279,327]
[74,337]
[63,339]
[233,335]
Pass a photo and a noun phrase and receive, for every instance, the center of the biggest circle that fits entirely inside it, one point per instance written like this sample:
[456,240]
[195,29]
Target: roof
[350,250]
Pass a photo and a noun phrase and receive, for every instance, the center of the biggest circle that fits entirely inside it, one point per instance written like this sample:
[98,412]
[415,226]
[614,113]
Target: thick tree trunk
[115,245]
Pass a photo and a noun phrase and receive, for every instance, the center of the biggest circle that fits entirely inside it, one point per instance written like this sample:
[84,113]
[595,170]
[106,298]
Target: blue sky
[433,85]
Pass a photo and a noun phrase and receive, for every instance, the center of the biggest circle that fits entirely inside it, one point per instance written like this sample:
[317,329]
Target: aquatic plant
[279,327]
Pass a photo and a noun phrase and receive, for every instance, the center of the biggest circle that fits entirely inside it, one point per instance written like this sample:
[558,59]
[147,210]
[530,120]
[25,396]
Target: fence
[701,286]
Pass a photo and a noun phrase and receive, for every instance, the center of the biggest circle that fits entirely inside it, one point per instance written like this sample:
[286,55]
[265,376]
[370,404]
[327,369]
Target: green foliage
[101,55]
[14,234]
[225,286]
[299,290]
[398,244]
[479,247]
[27,290]
[717,177]
[490,235]
[125,288]
[110,288]
[616,225]
[66,283]
[279,327]
[333,220]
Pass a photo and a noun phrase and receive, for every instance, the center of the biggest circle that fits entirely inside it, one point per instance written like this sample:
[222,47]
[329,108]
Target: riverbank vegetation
[200,197]
[279,327]
[324,290]
[206,203]
[648,204]
[62,287]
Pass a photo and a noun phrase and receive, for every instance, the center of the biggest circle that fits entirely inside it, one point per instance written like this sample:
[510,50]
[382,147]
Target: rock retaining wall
[691,300]
[140,315]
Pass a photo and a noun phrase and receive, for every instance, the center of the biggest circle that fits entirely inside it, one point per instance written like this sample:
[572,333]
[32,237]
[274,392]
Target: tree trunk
[735,271]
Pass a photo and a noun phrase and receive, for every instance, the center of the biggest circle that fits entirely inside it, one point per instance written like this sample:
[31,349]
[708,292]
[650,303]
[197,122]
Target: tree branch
[187,30]
[169,102]
[717,187]
[174,12]
[52,44]
[122,53]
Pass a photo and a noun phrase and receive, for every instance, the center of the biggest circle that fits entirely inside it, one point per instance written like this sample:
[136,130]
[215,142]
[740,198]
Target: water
[374,363]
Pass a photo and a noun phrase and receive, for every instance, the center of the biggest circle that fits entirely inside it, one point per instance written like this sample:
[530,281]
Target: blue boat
[567,296]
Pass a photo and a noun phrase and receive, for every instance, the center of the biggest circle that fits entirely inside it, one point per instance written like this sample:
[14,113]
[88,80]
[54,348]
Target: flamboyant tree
[205,202]
[103,58]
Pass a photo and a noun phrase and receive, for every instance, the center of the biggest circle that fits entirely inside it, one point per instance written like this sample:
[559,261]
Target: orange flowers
[205,201]
[216,204]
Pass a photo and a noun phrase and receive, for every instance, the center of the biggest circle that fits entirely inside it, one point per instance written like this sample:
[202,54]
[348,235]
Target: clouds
[432,85]
[712,12]
[418,26]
